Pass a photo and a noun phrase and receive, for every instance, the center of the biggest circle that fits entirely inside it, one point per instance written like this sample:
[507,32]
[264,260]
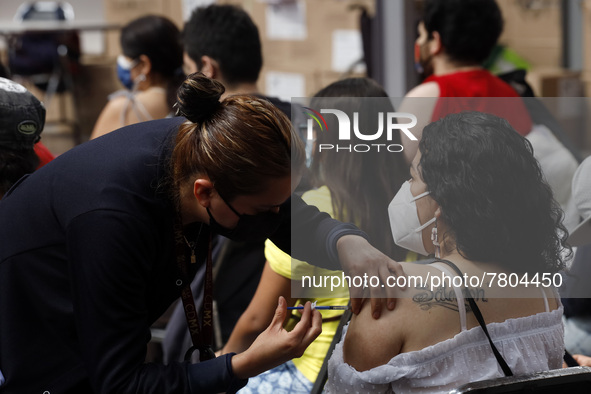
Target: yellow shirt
[311,361]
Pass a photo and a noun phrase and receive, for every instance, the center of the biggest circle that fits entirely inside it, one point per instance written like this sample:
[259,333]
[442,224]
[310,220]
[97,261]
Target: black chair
[538,111]
[572,380]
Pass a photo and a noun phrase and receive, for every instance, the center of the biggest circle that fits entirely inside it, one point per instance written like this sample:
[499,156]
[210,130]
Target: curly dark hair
[492,193]
[469,29]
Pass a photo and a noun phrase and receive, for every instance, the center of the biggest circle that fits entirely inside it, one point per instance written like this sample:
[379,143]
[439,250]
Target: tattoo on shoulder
[445,297]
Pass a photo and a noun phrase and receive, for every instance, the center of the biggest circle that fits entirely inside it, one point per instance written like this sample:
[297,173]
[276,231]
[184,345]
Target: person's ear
[203,190]
[210,67]
[435,45]
[145,65]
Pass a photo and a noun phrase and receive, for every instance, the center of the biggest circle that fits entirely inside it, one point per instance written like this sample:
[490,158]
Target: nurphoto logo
[388,122]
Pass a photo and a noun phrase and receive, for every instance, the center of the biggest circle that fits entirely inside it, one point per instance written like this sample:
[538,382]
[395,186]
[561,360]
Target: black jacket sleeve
[111,256]
[310,235]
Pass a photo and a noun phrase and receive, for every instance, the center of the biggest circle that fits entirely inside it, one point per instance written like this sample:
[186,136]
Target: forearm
[245,332]
[259,313]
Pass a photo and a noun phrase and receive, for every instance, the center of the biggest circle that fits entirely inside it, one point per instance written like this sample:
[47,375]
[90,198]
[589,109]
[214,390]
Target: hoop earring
[435,241]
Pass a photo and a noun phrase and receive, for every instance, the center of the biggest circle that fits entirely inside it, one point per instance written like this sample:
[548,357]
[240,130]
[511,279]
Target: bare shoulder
[418,320]
[110,117]
[154,101]
[369,342]
[116,103]
[113,109]
[420,102]
[429,89]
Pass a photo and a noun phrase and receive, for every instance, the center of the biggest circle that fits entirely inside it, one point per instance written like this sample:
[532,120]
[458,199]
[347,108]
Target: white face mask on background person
[406,227]
[124,67]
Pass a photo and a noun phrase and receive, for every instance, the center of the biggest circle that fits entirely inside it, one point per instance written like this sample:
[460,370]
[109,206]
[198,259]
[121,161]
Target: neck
[442,66]
[152,81]
[241,88]
[456,258]
[466,264]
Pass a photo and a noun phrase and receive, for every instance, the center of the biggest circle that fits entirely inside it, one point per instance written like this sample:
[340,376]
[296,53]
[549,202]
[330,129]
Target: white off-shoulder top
[528,344]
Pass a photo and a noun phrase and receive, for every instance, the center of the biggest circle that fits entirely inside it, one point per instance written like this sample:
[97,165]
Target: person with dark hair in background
[223,43]
[351,187]
[478,201]
[150,69]
[92,251]
[22,118]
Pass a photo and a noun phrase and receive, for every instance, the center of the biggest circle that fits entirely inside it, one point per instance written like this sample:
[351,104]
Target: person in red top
[454,39]
[44,154]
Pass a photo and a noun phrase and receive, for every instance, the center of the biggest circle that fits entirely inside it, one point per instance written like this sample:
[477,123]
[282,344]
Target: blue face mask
[124,67]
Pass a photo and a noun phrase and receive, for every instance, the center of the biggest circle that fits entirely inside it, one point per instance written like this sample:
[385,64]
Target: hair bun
[198,98]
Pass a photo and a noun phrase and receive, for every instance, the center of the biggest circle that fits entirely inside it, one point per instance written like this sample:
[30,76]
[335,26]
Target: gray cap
[581,235]
[22,116]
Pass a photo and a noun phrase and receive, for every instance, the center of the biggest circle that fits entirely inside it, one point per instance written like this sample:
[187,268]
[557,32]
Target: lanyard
[201,335]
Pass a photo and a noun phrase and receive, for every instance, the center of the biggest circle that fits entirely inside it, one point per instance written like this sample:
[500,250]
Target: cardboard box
[586,5]
[94,84]
[563,93]
[534,30]
[555,82]
[124,11]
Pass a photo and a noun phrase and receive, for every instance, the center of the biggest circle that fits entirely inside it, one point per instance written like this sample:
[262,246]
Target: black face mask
[250,228]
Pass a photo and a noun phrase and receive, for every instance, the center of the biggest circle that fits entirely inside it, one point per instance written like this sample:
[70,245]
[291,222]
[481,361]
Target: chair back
[44,11]
[572,380]
[41,56]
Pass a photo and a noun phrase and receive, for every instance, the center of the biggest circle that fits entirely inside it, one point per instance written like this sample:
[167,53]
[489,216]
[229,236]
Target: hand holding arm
[328,243]
[359,258]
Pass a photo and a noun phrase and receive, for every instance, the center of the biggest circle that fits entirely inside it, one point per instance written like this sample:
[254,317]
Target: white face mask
[407,230]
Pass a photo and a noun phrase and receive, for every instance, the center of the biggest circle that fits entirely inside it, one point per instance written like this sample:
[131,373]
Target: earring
[136,82]
[435,241]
